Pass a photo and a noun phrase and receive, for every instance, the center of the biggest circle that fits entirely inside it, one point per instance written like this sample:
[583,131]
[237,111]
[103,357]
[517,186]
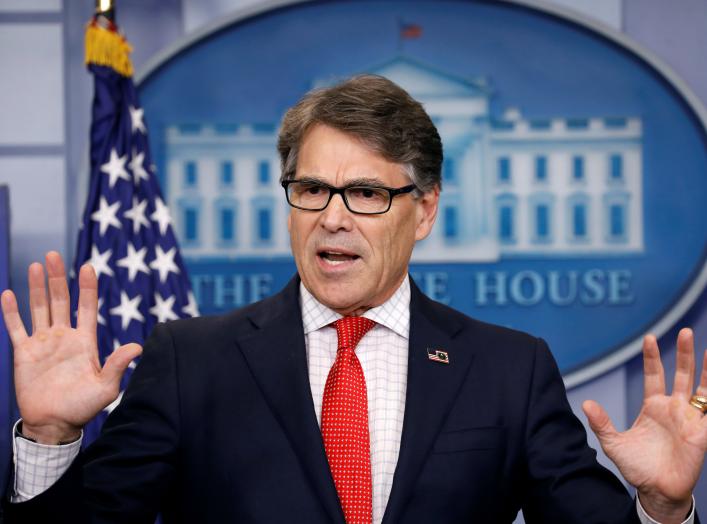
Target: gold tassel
[106,47]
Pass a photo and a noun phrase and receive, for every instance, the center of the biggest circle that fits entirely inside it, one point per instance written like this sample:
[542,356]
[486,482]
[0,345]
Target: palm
[663,451]
[58,377]
[59,381]
[670,441]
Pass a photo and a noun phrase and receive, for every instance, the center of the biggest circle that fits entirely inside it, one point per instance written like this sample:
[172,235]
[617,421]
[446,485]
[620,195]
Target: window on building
[577,123]
[616,167]
[578,168]
[615,122]
[190,174]
[227,173]
[504,169]
[191,224]
[451,223]
[542,221]
[449,173]
[540,124]
[264,128]
[579,220]
[616,216]
[577,217]
[225,129]
[505,223]
[264,172]
[541,168]
[506,217]
[227,220]
[540,207]
[617,221]
[264,221]
[502,125]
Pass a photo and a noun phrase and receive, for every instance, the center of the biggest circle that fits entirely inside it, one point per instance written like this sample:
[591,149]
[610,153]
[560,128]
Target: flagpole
[106,8]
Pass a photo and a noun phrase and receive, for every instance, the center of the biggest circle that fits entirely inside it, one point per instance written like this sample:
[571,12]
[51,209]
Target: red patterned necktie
[345,423]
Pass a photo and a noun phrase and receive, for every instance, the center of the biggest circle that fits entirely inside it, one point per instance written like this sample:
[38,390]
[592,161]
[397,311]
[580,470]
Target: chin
[340,299]
[337,300]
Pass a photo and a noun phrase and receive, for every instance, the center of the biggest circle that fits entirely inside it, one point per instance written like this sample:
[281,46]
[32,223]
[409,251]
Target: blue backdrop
[252,70]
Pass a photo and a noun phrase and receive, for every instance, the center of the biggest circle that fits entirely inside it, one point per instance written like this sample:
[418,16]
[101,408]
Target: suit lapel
[431,391]
[277,358]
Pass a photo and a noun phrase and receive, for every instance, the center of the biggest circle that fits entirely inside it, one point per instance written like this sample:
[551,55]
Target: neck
[357,310]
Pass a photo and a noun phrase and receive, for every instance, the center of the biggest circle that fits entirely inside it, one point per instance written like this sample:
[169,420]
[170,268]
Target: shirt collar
[394,313]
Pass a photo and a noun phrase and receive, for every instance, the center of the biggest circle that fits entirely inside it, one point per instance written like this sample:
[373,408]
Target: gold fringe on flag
[107,47]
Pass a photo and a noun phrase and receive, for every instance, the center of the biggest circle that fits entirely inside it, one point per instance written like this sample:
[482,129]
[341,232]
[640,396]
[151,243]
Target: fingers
[38,303]
[11,315]
[599,421]
[685,364]
[703,424]
[653,374]
[702,388]
[59,302]
[118,361]
[88,299]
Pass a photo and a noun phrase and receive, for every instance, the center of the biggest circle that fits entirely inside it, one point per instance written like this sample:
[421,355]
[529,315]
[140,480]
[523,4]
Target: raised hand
[59,382]
[663,452]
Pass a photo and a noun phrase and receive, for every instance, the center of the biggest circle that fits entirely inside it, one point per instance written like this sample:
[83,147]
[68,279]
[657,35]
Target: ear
[427,206]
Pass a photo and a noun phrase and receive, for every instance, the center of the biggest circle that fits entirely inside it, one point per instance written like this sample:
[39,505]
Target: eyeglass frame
[333,190]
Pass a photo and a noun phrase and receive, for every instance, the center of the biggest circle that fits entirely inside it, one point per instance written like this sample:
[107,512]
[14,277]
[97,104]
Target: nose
[336,216]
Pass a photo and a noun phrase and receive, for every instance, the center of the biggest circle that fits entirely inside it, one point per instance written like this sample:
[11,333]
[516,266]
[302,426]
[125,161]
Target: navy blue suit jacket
[218,425]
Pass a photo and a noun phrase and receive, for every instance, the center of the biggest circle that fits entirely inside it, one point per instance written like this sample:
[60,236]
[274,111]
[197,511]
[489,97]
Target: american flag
[126,231]
[410,31]
[437,355]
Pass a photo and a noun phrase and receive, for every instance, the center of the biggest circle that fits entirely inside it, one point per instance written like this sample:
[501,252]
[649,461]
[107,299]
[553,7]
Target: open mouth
[337,257]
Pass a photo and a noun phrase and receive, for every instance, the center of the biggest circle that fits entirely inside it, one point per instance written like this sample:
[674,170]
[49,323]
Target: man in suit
[347,397]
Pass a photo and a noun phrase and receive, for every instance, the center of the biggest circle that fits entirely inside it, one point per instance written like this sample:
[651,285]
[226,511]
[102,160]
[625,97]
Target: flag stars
[115,168]
[134,261]
[99,261]
[163,309]
[191,308]
[106,215]
[161,215]
[110,407]
[136,119]
[127,310]
[99,317]
[137,215]
[164,262]
[137,166]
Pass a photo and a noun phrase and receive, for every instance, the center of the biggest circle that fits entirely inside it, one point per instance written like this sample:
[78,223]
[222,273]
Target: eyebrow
[360,181]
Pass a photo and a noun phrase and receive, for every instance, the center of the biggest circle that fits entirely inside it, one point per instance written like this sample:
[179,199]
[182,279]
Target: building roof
[422,80]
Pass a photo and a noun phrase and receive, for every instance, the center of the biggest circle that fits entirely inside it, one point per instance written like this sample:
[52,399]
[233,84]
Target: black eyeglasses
[364,200]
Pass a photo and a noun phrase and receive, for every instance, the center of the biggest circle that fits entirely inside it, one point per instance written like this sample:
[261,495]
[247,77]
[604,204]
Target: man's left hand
[662,453]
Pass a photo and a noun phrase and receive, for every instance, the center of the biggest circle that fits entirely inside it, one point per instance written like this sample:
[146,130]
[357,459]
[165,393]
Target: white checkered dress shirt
[38,466]
[383,353]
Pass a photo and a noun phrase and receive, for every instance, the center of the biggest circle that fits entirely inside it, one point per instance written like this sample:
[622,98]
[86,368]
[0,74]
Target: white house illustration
[511,186]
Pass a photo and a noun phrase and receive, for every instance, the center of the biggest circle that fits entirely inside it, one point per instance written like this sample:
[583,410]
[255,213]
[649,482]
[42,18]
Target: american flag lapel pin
[437,355]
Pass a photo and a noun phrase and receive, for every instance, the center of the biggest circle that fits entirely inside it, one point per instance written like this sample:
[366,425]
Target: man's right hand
[59,382]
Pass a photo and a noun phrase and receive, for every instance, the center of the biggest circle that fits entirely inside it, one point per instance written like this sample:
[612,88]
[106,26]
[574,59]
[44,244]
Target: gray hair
[379,113]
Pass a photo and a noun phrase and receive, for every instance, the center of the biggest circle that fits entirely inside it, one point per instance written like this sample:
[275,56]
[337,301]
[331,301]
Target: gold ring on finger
[699,402]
